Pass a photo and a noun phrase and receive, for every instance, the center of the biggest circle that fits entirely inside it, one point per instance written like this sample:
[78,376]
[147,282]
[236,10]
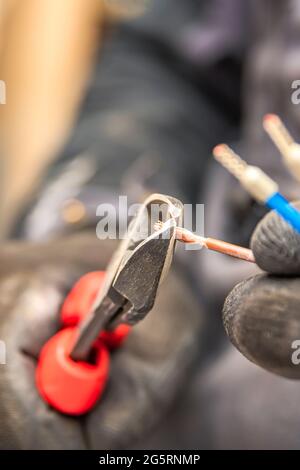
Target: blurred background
[46,53]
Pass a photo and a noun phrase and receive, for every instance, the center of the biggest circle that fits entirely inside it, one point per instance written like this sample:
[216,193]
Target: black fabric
[275,245]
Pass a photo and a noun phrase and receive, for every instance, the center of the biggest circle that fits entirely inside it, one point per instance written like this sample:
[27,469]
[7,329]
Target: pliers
[100,310]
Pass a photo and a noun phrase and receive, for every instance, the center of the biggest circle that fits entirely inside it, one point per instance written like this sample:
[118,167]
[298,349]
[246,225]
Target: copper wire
[185,236]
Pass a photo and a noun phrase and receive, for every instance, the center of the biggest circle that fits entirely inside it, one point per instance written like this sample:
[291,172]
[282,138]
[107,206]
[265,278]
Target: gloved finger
[149,368]
[262,319]
[276,245]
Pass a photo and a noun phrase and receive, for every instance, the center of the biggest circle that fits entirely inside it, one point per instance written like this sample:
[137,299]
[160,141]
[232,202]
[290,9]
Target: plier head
[142,263]
[135,272]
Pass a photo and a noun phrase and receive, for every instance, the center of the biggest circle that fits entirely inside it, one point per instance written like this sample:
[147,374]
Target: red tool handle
[69,386]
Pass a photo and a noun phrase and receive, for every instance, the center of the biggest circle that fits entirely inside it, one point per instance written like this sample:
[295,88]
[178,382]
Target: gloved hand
[145,373]
[262,314]
[241,406]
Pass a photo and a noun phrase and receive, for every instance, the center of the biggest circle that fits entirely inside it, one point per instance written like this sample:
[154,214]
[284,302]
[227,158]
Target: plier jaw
[141,275]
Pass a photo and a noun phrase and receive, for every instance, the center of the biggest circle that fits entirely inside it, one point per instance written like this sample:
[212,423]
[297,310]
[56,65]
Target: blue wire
[283,207]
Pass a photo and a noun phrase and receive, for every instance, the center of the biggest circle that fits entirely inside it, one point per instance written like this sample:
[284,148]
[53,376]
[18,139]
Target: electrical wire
[285,143]
[185,236]
[261,187]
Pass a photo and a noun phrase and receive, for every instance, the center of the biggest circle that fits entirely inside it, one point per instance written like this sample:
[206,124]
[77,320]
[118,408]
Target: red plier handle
[128,294]
[74,387]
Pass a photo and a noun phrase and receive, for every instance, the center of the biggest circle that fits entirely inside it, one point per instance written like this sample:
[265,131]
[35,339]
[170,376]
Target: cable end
[230,160]
[219,150]
[271,119]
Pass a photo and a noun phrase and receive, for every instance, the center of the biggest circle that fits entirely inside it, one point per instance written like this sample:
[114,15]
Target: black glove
[241,406]
[262,314]
[145,373]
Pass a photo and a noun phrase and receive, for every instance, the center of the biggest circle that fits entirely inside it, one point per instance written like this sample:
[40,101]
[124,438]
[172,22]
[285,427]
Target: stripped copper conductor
[185,236]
